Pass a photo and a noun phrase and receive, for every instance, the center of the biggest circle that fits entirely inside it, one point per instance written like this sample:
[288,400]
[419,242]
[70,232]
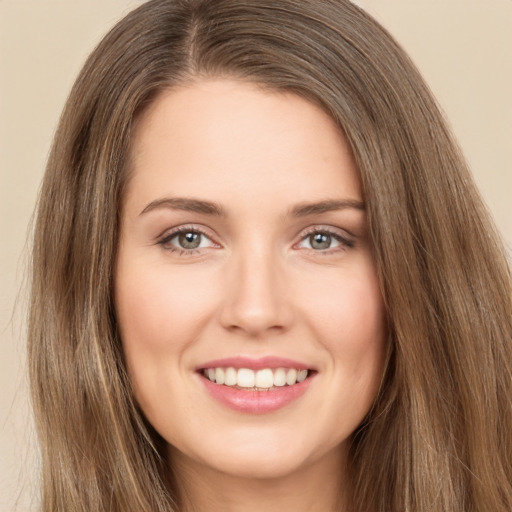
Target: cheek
[349,309]
[362,324]
[159,314]
[364,327]
[350,321]
[159,310]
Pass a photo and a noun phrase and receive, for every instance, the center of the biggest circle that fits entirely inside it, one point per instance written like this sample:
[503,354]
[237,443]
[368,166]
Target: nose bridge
[256,298]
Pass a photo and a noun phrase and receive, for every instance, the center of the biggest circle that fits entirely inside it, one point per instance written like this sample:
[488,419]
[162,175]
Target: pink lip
[250,401]
[255,364]
[256,402]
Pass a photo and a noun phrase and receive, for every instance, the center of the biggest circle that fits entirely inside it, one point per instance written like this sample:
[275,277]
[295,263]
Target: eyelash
[176,232]
[345,242]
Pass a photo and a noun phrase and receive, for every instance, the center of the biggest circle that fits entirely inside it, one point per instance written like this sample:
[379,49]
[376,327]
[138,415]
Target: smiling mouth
[264,379]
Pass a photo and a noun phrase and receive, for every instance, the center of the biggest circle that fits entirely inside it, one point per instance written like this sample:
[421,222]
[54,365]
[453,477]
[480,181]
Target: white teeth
[301,375]
[219,375]
[265,378]
[291,377]
[245,378]
[230,377]
[280,377]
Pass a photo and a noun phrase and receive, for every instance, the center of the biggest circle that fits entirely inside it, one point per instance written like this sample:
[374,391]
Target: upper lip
[255,363]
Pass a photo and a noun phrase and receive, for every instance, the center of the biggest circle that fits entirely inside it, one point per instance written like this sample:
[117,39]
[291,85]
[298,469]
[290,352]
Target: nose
[256,298]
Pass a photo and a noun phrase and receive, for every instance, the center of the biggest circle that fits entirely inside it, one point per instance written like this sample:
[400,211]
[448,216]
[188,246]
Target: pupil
[189,240]
[320,241]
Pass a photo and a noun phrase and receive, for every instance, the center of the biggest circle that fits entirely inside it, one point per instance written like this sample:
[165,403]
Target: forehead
[223,135]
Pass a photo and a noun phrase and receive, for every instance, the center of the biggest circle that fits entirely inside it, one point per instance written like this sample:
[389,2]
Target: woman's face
[248,302]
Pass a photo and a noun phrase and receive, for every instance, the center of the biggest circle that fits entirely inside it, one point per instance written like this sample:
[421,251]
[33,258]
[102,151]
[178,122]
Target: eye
[189,240]
[321,241]
[186,240]
[324,240]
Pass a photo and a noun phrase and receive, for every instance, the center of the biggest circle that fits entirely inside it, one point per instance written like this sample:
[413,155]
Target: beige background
[463,48]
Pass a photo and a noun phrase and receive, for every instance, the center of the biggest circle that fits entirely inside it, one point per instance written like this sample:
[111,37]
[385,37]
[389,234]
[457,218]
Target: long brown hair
[439,436]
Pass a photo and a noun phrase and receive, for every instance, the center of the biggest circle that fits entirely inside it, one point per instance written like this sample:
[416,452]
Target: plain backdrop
[462,47]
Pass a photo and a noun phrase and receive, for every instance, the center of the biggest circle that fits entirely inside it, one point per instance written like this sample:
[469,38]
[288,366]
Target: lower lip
[256,402]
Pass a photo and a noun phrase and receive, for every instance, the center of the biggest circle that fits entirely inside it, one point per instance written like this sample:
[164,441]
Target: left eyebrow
[329,205]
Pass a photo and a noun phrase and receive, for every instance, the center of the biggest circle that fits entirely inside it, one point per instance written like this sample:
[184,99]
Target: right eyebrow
[186,204]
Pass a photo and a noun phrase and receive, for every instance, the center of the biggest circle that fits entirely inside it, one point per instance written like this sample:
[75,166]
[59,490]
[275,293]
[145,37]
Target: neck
[315,488]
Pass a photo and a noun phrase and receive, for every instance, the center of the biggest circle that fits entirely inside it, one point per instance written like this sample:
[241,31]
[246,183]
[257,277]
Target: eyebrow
[211,208]
[329,205]
[186,204]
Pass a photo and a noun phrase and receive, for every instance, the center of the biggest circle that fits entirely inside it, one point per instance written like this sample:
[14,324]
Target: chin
[257,459]
[272,466]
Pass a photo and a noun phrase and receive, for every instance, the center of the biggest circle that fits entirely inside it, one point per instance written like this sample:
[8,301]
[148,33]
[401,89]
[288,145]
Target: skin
[258,285]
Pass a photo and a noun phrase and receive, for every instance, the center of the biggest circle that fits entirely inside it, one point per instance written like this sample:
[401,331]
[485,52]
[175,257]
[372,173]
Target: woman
[263,278]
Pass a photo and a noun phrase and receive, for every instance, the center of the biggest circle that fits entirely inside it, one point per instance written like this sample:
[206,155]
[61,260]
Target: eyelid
[346,239]
[171,233]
